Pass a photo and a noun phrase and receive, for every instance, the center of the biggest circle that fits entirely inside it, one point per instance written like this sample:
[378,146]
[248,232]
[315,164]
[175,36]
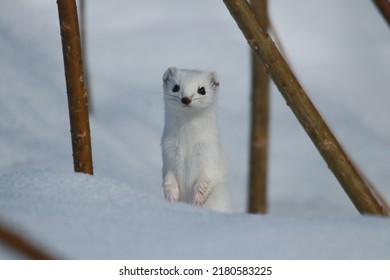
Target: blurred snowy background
[340,51]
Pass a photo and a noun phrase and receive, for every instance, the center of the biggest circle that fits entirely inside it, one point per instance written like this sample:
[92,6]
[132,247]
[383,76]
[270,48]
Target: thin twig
[384,8]
[259,123]
[75,84]
[18,243]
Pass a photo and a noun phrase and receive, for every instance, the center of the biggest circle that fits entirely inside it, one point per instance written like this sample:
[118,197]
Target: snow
[91,217]
[338,49]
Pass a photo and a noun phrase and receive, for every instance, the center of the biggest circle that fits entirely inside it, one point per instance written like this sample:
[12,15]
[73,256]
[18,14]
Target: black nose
[185,100]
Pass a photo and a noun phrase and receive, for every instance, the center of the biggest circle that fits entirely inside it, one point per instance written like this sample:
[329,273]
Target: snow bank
[84,217]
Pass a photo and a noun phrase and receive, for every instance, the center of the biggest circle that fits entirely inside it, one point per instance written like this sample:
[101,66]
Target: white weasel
[194,164]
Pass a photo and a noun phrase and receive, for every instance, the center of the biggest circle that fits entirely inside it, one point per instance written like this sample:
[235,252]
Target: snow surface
[340,51]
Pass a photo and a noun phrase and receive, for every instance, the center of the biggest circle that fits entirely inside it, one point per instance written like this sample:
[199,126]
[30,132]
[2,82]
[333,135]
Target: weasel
[194,164]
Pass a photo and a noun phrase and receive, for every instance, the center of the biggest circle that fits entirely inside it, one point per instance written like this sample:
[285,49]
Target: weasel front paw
[201,191]
[171,191]
[171,187]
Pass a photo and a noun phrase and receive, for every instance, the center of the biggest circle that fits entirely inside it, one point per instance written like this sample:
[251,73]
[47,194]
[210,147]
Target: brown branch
[346,173]
[83,36]
[77,93]
[384,8]
[259,123]
[16,242]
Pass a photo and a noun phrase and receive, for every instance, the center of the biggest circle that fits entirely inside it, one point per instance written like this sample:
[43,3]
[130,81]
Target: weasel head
[193,90]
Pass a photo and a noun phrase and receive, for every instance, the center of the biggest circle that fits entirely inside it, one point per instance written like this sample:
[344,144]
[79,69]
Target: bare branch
[75,84]
[259,123]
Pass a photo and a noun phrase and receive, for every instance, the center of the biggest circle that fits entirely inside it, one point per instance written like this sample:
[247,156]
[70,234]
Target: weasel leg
[202,190]
[171,187]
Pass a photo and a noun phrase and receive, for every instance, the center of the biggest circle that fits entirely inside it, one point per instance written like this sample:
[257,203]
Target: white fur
[194,164]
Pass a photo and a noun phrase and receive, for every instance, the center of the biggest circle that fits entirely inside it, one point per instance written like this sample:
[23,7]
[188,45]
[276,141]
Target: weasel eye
[176,88]
[201,91]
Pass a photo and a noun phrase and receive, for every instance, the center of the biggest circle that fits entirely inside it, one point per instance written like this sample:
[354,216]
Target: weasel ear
[214,80]
[169,74]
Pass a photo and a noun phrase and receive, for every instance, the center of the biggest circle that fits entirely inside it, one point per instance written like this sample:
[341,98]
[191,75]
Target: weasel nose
[186,100]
